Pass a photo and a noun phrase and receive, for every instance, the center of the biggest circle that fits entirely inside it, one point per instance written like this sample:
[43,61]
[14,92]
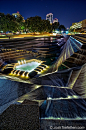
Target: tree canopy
[8,22]
[55,25]
[33,24]
[61,28]
[36,24]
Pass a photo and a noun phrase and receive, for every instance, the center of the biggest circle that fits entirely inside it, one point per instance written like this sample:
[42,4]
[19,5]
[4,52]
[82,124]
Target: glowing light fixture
[25,61]
[69,97]
[23,74]
[18,73]
[49,98]
[27,75]
[22,61]
[12,71]
[19,62]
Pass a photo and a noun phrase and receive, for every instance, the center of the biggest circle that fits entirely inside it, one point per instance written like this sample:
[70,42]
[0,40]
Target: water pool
[27,67]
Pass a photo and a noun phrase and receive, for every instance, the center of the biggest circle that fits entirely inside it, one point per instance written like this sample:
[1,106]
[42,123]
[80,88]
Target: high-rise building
[79,26]
[55,20]
[49,17]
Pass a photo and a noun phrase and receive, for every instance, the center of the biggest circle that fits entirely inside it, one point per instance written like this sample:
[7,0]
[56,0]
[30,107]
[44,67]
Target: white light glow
[28,67]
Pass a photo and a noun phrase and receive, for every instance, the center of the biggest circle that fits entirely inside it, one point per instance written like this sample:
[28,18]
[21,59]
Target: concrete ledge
[20,117]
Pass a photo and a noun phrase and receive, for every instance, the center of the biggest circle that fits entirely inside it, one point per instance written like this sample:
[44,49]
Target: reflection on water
[27,66]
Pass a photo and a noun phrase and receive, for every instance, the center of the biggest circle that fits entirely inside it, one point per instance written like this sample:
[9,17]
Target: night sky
[66,11]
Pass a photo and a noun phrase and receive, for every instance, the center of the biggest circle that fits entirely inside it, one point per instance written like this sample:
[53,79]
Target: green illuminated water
[28,67]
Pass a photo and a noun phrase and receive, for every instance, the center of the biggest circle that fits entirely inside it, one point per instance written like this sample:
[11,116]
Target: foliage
[10,23]
[36,24]
[45,26]
[20,23]
[62,28]
[7,23]
[33,24]
[55,25]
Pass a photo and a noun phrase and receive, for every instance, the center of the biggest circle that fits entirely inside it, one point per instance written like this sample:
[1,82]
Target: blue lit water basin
[28,67]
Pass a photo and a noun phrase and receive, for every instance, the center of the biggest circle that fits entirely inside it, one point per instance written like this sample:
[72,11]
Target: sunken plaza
[43,83]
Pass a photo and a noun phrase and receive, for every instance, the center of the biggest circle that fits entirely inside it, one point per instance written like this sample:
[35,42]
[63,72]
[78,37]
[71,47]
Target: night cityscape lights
[79,26]
[42,65]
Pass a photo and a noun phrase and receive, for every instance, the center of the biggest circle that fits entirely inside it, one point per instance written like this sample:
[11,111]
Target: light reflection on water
[28,67]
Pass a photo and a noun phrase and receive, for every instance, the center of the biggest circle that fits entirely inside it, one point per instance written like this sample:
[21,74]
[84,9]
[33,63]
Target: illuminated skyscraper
[49,17]
[55,20]
[79,26]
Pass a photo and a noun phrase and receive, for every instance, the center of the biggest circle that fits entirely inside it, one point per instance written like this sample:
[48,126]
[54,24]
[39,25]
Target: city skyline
[66,11]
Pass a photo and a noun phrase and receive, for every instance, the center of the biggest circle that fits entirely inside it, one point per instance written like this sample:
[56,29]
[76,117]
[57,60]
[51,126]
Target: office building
[55,20]
[79,26]
[49,17]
